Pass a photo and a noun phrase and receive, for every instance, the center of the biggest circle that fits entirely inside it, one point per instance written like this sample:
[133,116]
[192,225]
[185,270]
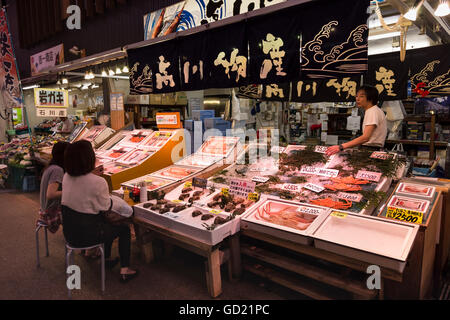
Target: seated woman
[50,192]
[85,197]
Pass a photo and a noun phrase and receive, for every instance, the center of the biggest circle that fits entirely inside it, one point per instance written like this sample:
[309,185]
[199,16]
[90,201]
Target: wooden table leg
[235,256]
[213,277]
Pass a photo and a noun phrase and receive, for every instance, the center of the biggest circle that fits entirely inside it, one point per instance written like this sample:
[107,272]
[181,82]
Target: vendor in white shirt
[374,124]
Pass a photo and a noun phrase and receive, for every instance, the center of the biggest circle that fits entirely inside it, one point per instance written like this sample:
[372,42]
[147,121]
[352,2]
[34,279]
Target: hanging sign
[192,49]
[323,90]
[389,75]
[9,79]
[334,39]
[227,56]
[51,98]
[274,48]
[47,59]
[51,112]
[277,92]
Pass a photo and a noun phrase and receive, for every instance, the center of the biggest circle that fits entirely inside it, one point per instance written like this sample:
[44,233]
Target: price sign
[331,173]
[355,197]
[368,175]
[188,184]
[253,196]
[176,201]
[199,183]
[314,187]
[404,215]
[341,215]
[291,187]
[241,188]
[225,191]
[321,149]
[214,211]
[309,210]
[260,179]
[380,155]
[258,169]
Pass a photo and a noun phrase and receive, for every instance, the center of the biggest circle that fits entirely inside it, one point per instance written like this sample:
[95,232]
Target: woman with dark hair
[50,192]
[374,124]
[85,197]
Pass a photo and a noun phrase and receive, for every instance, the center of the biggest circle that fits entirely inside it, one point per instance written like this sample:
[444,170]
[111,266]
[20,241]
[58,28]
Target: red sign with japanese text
[9,79]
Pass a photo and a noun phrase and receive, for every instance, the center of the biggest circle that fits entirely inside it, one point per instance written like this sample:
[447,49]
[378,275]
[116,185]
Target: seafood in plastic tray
[152,183]
[198,160]
[116,153]
[136,137]
[370,239]
[313,178]
[198,223]
[113,168]
[289,220]
[416,190]
[413,204]
[175,172]
[93,133]
[114,141]
[134,156]
[219,146]
[156,140]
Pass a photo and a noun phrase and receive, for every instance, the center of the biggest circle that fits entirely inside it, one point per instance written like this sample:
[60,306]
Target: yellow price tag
[254,196]
[188,184]
[405,215]
[148,180]
[341,215]
[157,134]
[225,191]
[176,201]
[215,211]
[168,134]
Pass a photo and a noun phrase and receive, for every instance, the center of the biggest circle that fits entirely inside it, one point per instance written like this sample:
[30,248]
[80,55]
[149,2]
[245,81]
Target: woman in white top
[85,197]
[374,124]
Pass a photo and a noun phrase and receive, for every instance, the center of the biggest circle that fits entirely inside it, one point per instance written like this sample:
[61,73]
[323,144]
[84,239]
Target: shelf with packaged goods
[438,144]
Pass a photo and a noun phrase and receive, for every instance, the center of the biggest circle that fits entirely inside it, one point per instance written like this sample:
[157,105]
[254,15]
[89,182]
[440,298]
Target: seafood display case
[381,242]
[127,156]
[349,181]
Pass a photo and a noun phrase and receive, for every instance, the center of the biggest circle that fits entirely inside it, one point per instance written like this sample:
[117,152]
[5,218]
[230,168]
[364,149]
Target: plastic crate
[200,115]
[30,184]
[15,177]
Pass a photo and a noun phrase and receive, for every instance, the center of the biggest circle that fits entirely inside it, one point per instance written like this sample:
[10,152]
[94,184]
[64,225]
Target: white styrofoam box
[415,190]
[414,204]
[254,221]
[105,134]
[136,137]
[157,140]
[113,141]
[198,160]
[153,183]
[370,239]
[176,173]
[116,153]
[135,156]
[183,222]
[219,146]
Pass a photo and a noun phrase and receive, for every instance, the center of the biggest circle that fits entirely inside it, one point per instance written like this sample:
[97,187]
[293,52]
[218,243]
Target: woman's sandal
[124,278]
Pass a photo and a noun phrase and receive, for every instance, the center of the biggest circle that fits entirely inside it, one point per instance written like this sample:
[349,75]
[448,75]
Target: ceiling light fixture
[118,71]
[104,74]
[65,81]
[412,13]
[111,72]
[442,9]
[125,69]
[31,87]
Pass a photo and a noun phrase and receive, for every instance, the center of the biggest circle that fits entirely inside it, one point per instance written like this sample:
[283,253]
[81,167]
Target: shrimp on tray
[284,215]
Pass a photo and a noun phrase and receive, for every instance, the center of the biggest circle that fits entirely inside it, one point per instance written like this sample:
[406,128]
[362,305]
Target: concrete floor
[177,277]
